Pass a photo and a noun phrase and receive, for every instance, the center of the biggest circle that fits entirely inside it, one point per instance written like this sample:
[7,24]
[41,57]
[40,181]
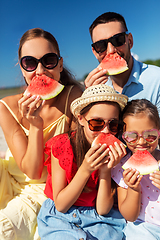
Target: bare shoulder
[8,123]
[12,102]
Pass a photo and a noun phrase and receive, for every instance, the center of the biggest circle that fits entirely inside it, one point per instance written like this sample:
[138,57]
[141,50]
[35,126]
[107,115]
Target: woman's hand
[155,177]
[132,179]
[96,76]
[29,107]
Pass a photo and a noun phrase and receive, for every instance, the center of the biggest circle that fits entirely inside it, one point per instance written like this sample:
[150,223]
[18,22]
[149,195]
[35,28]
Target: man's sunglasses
[96,125]
[150,136]
[49,61]
[116,40]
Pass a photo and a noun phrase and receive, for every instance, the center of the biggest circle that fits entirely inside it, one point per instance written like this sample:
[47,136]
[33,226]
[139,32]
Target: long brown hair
[66,78]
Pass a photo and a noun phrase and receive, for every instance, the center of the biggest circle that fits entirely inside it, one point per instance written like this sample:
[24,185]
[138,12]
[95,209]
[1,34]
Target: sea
[4,92]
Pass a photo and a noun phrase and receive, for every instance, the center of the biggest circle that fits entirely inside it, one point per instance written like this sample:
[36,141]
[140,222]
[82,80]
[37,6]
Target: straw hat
[97,93]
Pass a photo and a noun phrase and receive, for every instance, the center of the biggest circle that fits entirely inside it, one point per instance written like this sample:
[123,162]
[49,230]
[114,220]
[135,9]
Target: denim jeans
[78,223]
[141,230]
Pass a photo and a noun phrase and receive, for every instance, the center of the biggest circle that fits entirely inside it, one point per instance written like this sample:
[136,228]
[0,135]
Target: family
[53,183]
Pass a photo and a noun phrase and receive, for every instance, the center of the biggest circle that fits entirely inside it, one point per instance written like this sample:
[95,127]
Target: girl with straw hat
[79,190]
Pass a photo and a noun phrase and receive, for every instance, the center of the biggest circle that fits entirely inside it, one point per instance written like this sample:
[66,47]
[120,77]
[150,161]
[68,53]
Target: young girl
[139,196]
[79,181]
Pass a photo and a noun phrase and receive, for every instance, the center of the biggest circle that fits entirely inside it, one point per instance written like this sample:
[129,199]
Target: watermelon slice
[142,161]
[114,64]
[44,86]
[106,138]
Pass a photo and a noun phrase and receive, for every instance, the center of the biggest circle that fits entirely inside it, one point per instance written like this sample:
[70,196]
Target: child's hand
[132,179]
[116,154]
[95,157]
[155,177]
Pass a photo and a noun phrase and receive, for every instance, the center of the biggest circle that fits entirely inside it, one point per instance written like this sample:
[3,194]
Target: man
[109,34]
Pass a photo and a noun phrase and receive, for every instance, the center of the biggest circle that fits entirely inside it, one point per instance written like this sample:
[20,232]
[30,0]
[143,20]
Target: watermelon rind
[114,64]
[115,72]
[143,162]
[44,86]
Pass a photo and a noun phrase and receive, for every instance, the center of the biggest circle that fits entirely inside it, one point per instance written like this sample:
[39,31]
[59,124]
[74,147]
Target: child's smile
[139,123]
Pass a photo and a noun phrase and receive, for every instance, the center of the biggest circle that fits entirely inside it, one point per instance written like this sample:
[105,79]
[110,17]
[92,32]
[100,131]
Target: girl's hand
[30,107]
[132,179]
[116,154]
[155,177]
[95,158]
[96,76]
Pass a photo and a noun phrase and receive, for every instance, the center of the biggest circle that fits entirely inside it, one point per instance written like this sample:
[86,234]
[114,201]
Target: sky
[69,22]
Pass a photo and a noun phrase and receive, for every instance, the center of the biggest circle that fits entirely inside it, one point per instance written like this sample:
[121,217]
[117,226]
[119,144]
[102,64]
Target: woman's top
[61,148]
[150,195]
[20,182]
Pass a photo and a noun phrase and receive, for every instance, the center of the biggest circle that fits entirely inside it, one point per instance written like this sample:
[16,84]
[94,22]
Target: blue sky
[69,21]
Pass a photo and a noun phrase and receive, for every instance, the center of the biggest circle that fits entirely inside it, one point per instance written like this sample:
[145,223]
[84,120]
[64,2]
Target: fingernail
[100,68]
[38,97]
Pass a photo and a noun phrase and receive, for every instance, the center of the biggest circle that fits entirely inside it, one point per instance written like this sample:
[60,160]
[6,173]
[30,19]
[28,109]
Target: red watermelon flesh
[114,64]
[106,138]
[44,86]
[143,162]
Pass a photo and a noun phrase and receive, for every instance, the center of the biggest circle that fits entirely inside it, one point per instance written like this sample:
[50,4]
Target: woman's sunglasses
[49,61]
[116,40]
[98,124]
[150,136]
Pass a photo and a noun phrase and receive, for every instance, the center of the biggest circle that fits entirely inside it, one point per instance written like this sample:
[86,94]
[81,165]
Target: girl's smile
[139,123]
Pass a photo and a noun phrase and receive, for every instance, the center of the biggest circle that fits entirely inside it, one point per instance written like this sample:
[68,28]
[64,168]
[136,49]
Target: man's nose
[110,48]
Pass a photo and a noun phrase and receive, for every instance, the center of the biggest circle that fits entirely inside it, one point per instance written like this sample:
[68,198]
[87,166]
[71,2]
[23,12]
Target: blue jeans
[141,230]
[78,223]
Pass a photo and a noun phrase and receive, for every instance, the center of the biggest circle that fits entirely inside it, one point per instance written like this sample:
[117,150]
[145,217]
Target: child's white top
[150,199]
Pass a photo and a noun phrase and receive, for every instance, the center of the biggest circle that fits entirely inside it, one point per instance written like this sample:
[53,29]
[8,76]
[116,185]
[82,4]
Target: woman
[27,123]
